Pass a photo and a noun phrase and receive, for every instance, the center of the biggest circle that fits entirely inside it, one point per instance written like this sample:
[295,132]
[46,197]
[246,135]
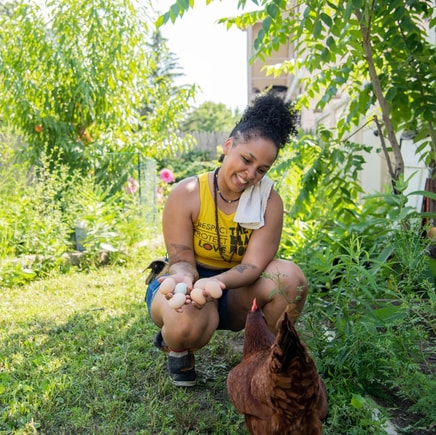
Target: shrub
[39,211]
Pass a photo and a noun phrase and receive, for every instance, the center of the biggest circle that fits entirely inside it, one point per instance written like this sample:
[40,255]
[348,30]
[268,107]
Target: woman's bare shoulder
[187,186]
[275,198]
[184,196]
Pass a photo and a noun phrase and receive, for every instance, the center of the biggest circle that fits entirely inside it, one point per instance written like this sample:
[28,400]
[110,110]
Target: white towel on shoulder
[252,204]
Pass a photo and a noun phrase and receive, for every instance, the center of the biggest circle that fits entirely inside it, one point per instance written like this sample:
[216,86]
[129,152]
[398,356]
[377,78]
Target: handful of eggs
[180,290]
[211,287]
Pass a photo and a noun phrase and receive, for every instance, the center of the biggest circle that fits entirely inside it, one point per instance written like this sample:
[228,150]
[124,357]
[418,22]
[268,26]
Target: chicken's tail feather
[289,342]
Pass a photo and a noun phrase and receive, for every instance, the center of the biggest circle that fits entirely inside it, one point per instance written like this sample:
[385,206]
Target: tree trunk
[398,167]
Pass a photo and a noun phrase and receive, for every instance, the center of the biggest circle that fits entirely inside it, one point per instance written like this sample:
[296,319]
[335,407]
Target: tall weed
[369,316]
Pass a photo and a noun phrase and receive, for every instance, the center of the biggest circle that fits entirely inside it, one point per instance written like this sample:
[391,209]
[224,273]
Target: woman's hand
[206,290]
[169,285]
[178,278]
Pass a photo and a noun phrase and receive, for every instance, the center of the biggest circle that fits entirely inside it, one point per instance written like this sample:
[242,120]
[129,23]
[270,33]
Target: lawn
[77,358]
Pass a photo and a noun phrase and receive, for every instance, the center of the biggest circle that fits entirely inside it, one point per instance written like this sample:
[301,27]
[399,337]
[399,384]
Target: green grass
[77,358]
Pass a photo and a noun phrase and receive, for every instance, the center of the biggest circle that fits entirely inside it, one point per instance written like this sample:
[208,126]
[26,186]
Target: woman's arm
[261,249]
[180,209]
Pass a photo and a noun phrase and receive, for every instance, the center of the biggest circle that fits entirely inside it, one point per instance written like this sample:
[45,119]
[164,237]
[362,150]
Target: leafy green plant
[320,191]
[366,318]
[367,329]
[76,79]
[39,216]
[35,233]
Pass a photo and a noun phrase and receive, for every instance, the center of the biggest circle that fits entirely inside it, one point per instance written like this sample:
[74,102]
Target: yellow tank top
[205,233]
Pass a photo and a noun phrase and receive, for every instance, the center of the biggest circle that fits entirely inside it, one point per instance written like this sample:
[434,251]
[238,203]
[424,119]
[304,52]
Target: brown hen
[276,385]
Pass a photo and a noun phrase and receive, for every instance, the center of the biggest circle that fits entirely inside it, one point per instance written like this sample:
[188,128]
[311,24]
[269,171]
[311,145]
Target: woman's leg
[183,333]
[191,329]
[283,283]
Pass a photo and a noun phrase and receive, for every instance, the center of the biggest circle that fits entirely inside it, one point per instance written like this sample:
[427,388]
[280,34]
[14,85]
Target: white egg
[177,300]
[181,287]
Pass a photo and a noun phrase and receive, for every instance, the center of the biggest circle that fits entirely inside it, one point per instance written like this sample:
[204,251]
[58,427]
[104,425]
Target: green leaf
[390,313]
[174,12]
[428,114]
[325,54]
[357,4]
[425,193]
[331,43]
[266,24]
[357,401]
[391,94]
[317,29]
[326,18]
[184,5]
[272,10]
[399,13]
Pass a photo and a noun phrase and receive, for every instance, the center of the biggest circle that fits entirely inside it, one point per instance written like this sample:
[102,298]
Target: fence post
[147,189]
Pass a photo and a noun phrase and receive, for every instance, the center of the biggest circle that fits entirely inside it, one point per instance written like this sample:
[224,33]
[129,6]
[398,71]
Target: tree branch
[366,38]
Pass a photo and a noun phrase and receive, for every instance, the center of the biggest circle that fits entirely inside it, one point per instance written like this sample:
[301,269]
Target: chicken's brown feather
[276,385]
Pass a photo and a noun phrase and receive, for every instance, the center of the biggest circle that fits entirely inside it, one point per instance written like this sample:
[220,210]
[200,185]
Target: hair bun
[269,117]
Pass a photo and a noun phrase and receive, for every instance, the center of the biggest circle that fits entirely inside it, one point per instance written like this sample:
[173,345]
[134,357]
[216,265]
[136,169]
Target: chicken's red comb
[254,306]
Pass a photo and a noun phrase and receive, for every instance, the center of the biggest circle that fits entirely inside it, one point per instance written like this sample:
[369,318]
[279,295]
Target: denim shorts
[153,287]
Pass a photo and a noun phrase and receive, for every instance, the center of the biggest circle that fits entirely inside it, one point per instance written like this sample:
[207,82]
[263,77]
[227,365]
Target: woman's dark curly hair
[270,118]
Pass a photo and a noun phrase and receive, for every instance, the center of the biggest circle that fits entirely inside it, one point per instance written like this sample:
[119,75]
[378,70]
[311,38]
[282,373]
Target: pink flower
[167,175]
[132,185]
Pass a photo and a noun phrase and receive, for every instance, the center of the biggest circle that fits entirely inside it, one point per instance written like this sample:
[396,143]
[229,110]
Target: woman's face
[245,163]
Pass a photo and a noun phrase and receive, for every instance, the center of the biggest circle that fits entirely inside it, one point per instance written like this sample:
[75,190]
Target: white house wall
[375,177]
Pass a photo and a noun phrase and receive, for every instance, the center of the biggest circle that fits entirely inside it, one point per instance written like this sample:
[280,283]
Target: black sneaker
[182,370]
[159,342]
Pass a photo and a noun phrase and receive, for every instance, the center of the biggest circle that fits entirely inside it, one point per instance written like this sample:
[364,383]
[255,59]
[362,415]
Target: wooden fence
[210,141]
